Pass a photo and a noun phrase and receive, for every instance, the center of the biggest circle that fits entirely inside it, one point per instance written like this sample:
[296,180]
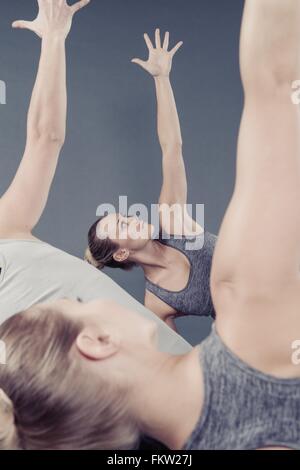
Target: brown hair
[100,251]
[48,400]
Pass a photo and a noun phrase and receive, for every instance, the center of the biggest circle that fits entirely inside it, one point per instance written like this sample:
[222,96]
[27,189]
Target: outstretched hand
[160,58]
[54,17]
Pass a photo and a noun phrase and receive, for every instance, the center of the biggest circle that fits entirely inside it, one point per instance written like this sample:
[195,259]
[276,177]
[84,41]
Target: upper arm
[174,186]
[173,213]
[176,220]
[161,309]
[23,203]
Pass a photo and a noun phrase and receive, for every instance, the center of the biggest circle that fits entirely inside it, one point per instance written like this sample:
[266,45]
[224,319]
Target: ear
[121,255]
[96,346]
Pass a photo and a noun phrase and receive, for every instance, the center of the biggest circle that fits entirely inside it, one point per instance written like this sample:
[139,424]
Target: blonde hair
[48,401]
[91,260]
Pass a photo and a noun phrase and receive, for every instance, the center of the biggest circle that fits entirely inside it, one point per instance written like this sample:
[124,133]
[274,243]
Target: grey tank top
[243,408]
[32,271]
[195,298]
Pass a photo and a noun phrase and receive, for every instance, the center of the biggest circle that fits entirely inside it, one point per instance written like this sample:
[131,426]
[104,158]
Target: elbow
[271,78]
[55,138]
[48,136]
[172,147]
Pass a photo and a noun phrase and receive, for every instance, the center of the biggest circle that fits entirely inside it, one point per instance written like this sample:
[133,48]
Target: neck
[168,401]
[152,257]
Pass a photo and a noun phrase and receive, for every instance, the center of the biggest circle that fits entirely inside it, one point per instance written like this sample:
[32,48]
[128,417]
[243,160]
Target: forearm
[174,188]
[159,65]
[270,40]
[48,107]
[168,124]
[23,203]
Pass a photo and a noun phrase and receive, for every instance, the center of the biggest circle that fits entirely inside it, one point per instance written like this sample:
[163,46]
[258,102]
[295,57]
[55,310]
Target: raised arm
[255,274]
[159,65]
[23,203]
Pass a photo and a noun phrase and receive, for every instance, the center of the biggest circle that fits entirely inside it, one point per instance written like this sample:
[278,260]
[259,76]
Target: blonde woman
[32,271]
[94,377]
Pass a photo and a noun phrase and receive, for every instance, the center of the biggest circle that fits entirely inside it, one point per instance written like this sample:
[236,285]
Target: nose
[132,220]
[127,219]
[138,223]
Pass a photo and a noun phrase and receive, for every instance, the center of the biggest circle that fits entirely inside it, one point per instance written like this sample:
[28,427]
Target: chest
[175,277]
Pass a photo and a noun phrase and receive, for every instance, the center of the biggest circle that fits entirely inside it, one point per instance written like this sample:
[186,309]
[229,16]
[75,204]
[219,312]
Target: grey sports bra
[243,408]
[195,298]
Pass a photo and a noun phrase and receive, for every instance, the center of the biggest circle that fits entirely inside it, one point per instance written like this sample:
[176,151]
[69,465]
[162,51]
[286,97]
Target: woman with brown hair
[177,264]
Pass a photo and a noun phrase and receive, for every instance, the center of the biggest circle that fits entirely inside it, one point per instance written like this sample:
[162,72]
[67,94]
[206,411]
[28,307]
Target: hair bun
[6,405]
[7,422]
[91,260]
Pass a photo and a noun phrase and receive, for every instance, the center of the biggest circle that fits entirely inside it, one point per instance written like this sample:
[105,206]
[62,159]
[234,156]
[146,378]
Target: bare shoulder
[4,224]
[7,230]
[9,233]
[175,220]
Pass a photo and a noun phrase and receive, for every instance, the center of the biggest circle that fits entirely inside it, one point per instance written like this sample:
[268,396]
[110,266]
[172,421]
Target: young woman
[32,271]
[176,274]
[94,378]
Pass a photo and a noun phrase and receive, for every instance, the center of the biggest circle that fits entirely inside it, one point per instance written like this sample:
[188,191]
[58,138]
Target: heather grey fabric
[244,408]
[34,271]
[195,298]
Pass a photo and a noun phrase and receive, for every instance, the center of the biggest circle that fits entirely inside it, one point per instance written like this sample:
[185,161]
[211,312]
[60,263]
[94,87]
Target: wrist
[54,37]
[162,78]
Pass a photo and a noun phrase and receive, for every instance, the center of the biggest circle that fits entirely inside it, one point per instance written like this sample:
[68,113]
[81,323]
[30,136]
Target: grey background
[111,146]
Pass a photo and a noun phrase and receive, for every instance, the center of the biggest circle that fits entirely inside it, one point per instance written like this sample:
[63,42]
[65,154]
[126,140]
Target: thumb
[20,24]
[30,25]
[140,62]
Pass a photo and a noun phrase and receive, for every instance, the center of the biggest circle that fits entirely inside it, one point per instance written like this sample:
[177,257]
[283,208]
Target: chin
[147,233]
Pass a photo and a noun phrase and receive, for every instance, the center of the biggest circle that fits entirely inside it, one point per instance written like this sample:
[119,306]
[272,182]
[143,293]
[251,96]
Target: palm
[59,23]
[159,62]
[54,17]
[160,58]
